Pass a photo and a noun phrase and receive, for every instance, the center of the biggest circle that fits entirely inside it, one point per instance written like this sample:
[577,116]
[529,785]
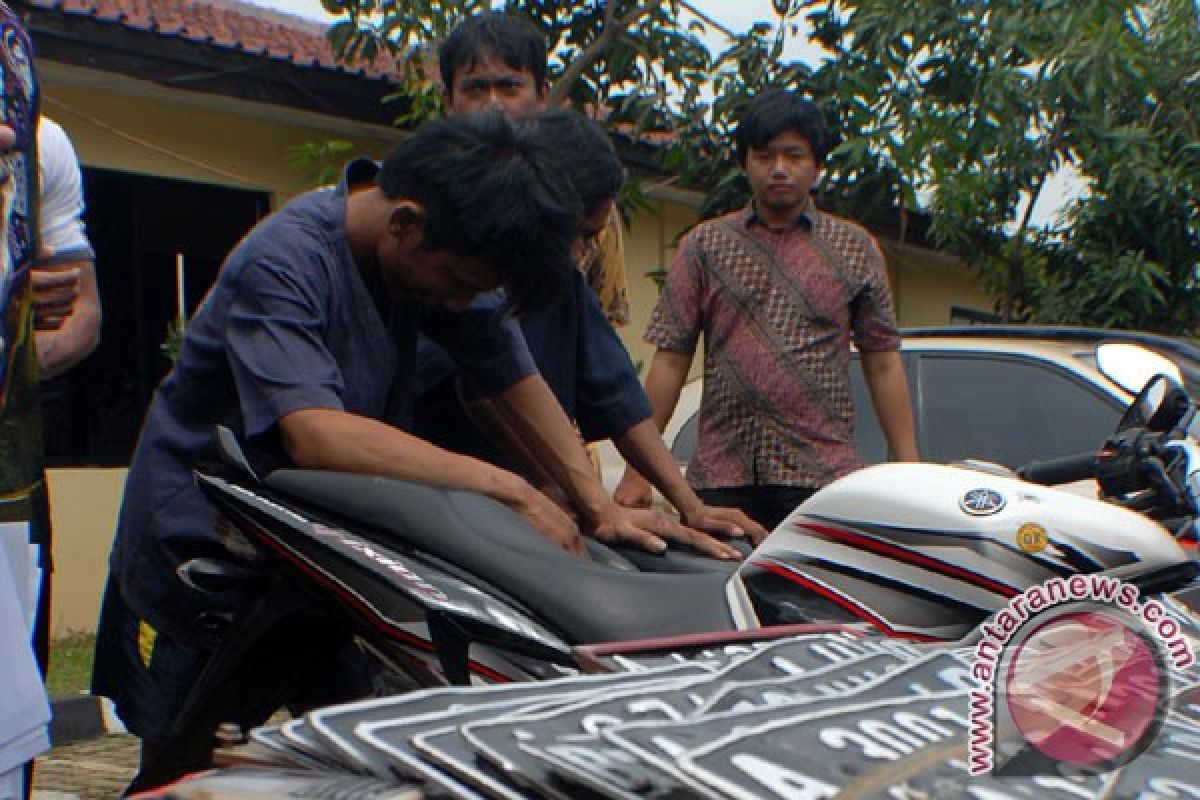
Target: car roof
[1187,348]
[1050,340]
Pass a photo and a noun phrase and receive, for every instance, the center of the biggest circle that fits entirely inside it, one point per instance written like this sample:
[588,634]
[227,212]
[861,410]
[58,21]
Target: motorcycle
[450,587]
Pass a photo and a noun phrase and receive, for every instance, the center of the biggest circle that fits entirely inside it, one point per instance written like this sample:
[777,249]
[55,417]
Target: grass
[70,664]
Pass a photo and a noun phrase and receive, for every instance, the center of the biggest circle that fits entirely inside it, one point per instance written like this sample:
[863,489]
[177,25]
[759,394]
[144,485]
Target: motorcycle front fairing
[927,551]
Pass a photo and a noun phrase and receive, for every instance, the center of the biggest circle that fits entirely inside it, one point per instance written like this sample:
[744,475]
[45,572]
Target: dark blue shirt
[289,325]
[580,357]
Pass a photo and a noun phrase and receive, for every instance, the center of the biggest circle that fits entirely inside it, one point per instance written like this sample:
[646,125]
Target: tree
[619,55]
[624,57]
[961,108]
[979,103]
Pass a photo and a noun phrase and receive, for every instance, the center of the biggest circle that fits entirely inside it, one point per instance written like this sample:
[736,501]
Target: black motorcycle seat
[587,602]
[674,560]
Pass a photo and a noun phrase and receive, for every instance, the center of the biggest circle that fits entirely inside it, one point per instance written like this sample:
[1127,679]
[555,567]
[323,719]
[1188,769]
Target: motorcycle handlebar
[1060,470]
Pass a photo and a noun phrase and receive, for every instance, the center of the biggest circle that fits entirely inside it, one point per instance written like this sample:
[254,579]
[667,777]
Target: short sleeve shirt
[778,310]
[289,325]
[62,231]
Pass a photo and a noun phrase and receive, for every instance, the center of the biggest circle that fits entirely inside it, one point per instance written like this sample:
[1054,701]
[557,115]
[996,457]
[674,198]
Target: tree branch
[1016,262]
[706,19]
[613,27]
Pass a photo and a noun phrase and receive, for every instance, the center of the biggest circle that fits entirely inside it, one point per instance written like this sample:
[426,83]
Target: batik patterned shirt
[20,407]
[777,309]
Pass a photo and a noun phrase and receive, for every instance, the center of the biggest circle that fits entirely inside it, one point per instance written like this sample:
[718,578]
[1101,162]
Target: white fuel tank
[927,547]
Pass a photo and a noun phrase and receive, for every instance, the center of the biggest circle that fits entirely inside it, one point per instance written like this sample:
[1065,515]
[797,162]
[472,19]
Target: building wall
[83,514]
[927,285]
[134,126]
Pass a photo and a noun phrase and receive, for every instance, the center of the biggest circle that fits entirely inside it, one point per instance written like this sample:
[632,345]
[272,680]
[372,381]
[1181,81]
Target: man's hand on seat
[633,491]
[549,519]
[333,439]
[725,521]
[654,532]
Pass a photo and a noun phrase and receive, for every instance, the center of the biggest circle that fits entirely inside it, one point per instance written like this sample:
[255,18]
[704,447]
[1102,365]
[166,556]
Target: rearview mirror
[1159,406]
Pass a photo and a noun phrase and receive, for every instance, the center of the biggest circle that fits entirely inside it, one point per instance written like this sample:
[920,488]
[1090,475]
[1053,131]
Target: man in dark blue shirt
[497,61]
[305,349]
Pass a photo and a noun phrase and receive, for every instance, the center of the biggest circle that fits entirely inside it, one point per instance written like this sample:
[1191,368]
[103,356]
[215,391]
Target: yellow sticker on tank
[1032,538]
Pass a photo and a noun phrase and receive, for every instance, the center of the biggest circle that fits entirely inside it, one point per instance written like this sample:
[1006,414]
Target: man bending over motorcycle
[304,347]
[580,357]
[495,61]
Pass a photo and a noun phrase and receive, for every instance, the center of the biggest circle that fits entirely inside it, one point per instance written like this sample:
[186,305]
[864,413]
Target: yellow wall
[649,246]
[124,124]
[83,512]
[926,284]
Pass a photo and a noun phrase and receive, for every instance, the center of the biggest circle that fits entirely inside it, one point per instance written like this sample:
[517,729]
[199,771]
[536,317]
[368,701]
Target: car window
[685,441]
[868,438]
[1007,409]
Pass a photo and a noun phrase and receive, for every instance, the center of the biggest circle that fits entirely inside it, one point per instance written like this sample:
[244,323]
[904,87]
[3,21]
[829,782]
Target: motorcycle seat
[585,601]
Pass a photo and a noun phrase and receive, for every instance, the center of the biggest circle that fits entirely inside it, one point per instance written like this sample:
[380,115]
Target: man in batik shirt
[778,289]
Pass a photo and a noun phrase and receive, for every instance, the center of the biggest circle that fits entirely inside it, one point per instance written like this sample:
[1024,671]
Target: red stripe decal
[900,554]
[380,624]
[854,608]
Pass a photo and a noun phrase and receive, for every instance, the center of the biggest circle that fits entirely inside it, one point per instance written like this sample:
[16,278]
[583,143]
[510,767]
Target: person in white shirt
[66,301]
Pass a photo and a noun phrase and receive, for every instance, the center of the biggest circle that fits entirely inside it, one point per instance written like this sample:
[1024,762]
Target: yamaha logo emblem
[982,502]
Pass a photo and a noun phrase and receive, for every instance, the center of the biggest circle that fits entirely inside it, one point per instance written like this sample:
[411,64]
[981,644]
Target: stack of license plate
[812,716]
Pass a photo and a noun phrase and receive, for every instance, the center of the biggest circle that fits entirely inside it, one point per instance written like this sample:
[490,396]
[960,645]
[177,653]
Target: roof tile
[228,24]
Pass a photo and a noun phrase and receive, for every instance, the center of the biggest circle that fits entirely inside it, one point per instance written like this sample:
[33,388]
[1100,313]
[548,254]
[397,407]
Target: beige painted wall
[926,284]
[83,512]
[649,245]
[124,124]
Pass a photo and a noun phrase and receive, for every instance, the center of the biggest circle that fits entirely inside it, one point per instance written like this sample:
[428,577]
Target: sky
[738,15]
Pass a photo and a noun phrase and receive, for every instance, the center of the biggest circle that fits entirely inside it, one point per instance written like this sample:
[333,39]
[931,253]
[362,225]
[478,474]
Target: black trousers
[766,505]
[150,675]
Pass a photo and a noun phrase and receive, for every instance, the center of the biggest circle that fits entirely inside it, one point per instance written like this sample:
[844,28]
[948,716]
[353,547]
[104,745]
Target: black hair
[585,153]
[493,189]
[512,39]
[777,111]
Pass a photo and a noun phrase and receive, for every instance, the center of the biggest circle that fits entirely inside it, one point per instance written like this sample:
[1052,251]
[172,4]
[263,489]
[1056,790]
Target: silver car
[1008,394]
